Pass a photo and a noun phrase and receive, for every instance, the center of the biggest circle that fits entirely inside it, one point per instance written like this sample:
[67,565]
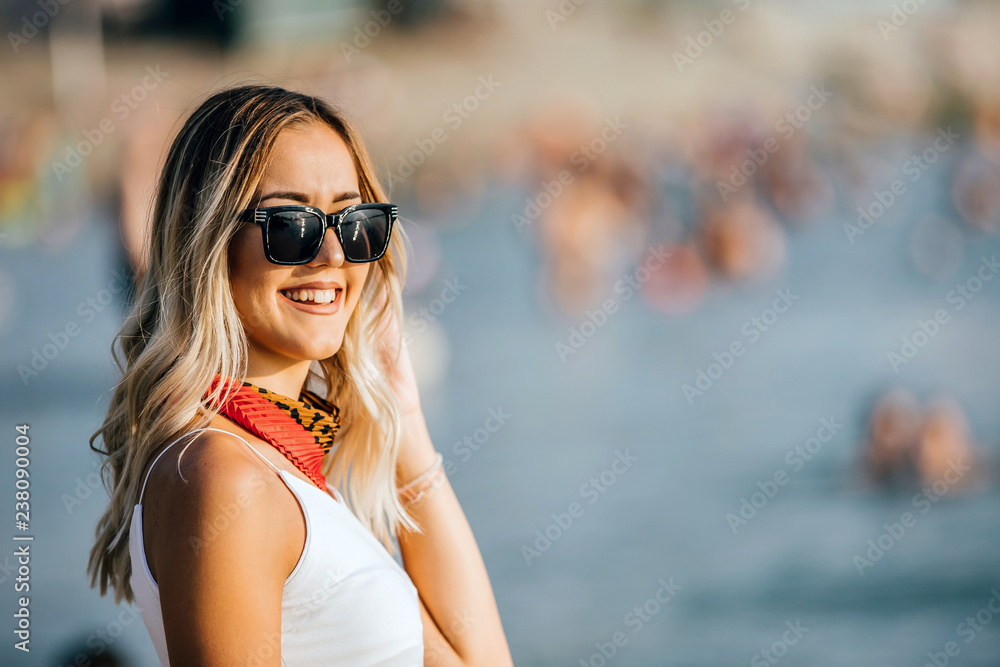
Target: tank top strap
[202,430]
[250,447]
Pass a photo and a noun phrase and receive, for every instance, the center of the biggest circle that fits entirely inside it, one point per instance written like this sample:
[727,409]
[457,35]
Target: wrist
[416,450]
[423,484]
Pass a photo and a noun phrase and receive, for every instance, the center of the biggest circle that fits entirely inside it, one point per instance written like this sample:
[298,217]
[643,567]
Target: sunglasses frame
[262,217]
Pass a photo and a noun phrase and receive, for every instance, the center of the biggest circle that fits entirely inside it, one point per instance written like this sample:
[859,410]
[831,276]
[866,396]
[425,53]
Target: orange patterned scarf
[302,430]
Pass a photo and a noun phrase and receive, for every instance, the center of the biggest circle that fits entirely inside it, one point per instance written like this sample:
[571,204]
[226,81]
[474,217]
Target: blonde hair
[184,327]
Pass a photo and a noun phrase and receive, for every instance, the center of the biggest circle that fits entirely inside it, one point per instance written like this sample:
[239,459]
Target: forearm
[445,564]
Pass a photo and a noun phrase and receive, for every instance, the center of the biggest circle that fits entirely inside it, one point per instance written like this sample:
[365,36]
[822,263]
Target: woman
[255,339]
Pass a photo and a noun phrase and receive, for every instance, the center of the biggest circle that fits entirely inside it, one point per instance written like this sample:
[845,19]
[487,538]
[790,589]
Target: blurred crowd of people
[722,179]
[724,188]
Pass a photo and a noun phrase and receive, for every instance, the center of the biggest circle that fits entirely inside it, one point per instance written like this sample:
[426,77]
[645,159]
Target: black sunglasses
[294,234]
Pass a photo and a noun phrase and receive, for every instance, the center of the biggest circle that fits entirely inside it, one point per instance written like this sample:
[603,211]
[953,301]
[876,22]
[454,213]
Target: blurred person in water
[590,233]
[589,201]
[909,444]
[740,239]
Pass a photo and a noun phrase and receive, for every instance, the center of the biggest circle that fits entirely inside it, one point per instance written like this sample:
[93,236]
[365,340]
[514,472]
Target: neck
[301,431]
[285,378]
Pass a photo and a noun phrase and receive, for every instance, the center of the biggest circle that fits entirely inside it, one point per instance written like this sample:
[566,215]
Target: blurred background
[701,300]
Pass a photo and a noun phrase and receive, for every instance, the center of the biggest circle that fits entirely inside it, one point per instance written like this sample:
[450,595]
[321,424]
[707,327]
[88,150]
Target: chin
[314,352]
[302,347]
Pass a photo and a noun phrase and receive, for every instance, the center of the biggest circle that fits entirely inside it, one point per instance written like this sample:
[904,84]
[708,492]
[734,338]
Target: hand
[416,451]
[403,381]
[400,375]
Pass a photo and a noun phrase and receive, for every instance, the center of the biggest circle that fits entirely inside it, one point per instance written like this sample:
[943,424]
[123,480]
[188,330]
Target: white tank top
[347,602]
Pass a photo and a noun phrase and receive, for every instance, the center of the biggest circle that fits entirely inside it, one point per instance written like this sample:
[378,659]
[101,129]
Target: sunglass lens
[294,236]
[365,233]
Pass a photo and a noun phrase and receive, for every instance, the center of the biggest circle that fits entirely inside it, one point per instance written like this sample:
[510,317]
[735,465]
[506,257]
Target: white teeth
[312,296]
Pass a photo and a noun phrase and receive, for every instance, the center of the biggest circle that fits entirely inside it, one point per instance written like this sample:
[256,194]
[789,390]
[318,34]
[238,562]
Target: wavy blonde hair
[184,327]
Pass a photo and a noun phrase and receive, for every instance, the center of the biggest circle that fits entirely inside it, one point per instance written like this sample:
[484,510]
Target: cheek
[248,276]
[358,276]
[241,254]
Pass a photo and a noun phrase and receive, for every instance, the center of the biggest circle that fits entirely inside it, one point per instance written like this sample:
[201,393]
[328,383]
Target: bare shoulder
[210,497]
[209,468]
[222,538]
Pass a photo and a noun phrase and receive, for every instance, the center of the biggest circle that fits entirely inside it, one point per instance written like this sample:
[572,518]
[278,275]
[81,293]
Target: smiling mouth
[311,296]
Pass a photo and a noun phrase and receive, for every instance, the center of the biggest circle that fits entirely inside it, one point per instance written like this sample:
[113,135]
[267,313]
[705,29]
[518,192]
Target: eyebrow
[304,199]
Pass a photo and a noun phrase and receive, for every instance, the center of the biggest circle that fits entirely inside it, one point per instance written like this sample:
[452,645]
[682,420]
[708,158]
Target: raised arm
[462,626]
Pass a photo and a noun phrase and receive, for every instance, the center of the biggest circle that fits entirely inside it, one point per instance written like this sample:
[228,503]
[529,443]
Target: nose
[331,253]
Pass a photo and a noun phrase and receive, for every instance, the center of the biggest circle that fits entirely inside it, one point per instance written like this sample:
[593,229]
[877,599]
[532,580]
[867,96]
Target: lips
[321,298]
[311,295]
